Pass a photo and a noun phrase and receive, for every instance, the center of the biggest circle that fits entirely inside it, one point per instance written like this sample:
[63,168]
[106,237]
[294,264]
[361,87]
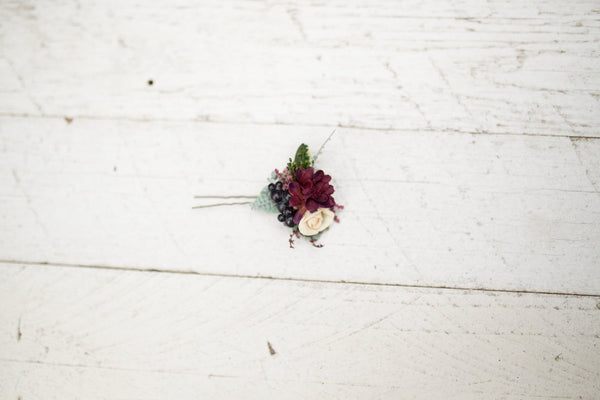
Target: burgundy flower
[310,191]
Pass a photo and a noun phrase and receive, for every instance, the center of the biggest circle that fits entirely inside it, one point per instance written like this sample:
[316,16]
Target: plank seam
[308,280]
[208,120]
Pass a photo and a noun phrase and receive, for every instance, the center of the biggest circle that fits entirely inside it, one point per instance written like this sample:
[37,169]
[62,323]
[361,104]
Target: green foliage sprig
[302,160]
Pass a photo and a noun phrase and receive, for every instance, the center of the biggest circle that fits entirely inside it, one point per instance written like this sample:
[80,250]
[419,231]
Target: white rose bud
[313,223]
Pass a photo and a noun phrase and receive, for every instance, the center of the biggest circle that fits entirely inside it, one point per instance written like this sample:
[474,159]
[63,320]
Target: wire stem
[323,146]
[222,204]
[225,197]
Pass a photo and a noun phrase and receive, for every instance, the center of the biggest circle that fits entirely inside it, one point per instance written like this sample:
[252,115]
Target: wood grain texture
[468,66]
[96,334]
[458,210]
[467,155]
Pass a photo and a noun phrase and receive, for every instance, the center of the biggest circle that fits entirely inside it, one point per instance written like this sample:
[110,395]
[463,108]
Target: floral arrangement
[301,196]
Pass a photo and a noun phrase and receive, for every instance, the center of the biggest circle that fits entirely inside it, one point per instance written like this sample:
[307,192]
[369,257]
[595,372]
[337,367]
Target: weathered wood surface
[502,66]
[99,334]
[458,210]
[467,154]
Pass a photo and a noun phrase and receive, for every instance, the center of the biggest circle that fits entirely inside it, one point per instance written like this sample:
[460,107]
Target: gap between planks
[207,120]
[241,276]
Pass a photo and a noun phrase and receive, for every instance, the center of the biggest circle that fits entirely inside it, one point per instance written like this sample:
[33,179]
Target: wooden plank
[500,66]
[459,210]
[67,332]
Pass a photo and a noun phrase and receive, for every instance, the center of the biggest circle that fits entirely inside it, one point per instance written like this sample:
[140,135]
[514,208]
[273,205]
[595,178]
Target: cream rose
[313,223]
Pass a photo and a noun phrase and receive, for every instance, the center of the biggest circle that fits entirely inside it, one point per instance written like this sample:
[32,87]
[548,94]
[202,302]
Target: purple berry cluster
[282,200]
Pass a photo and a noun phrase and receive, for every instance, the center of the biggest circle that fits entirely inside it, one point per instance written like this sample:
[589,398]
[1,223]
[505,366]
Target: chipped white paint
[467,155]
[501,66]
[460,210]
[99,334]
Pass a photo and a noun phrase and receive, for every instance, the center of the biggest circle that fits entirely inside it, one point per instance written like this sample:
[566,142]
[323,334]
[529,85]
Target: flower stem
[225,197]
[323,146]
[222,204]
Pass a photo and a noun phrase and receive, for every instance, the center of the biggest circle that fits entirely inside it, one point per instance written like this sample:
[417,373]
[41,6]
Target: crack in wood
[586,170]
[385,130]
[290,279]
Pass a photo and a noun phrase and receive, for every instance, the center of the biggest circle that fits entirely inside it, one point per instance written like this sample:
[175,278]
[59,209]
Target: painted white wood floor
[467,153]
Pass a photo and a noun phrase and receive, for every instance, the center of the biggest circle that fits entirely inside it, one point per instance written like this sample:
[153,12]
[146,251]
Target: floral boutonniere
[300,195]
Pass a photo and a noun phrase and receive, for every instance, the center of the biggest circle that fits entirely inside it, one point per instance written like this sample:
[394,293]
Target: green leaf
[301,160]
[263,202]
[272,178]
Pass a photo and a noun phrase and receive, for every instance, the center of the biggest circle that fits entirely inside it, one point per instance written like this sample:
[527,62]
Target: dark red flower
[310,191]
